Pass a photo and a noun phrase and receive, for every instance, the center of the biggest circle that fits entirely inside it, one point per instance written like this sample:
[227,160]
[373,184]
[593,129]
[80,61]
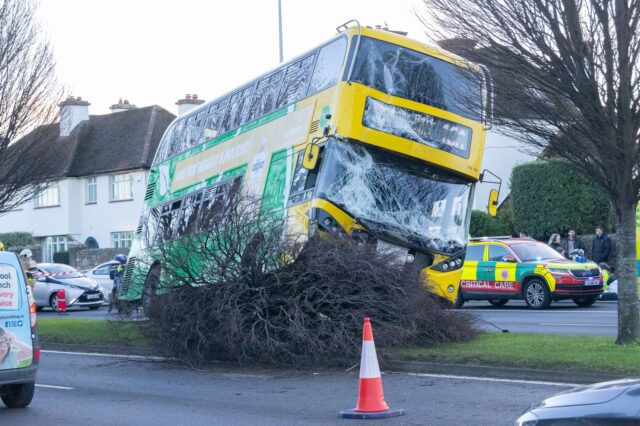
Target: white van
[19,346]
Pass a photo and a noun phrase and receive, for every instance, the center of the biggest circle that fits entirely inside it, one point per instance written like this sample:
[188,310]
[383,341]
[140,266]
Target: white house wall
[501,155]
[76,218]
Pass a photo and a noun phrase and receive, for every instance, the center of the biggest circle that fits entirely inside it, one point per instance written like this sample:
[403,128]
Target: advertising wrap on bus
[15,326]
[397,127]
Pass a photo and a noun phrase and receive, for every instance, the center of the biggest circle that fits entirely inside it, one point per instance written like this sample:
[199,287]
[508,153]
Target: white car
[80,291]
[102,275]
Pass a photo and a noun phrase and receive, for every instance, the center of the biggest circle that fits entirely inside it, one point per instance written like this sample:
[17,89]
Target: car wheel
[498,302]
[39,308]
[53,302]
[585,301]
[536,294]
[17,396]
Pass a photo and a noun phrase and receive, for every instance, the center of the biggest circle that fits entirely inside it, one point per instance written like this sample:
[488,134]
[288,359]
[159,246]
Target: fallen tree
[235,292]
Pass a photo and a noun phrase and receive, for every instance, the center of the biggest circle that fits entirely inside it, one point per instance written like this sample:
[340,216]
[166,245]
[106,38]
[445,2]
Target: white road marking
[577,325]
[132,357]
[493,379]
[54,387]
[547,312]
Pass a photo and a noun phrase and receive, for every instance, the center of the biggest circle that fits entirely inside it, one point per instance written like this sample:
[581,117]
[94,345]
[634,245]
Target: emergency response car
[497,270]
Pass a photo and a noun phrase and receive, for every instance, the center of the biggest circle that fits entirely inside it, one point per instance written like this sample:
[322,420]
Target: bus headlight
[451,264]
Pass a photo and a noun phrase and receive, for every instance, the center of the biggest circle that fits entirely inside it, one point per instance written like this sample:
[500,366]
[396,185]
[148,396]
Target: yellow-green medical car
[498,270]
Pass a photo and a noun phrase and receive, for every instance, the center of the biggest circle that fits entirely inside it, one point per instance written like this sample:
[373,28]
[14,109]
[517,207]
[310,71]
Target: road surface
[562,317]
[96,390]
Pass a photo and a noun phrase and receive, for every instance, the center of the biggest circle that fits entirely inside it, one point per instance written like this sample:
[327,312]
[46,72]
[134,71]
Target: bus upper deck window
[328,66]
[296,81]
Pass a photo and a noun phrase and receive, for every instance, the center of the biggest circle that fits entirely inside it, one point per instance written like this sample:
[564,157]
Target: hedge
[20,239]
[483,225]
[550,196]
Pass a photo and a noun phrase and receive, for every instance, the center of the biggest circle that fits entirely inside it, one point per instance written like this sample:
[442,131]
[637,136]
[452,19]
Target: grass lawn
[575,353]
[90,332]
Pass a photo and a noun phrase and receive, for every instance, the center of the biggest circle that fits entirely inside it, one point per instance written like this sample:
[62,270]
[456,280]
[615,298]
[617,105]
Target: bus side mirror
[492,208]
[311,154]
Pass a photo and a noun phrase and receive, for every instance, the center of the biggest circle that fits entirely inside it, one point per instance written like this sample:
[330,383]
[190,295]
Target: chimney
[122,106]
[188,103]
[73,111]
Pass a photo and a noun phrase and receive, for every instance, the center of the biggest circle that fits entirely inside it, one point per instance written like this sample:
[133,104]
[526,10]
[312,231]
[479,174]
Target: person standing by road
[554,243]
[118,275]
[572,242]
[601,246]
[29,265]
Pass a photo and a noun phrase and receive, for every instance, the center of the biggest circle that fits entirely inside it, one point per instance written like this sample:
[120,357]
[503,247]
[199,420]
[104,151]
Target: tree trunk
[626,271]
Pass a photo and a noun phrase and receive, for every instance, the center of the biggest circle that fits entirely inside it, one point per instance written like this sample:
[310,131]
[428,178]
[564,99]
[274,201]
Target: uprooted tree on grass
[243,290]
[568,80]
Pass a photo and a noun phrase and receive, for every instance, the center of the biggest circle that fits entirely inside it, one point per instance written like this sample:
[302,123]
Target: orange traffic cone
[371,404]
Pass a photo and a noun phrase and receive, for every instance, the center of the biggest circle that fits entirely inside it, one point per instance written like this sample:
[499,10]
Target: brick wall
[83,258]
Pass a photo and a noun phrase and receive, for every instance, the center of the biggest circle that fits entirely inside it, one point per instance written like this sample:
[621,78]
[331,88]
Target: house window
[92,190]
[49,196]
[122,187]
[121,239]
[54,244]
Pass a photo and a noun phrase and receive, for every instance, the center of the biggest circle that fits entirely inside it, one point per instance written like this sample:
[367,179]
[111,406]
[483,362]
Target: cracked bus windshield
[397,198]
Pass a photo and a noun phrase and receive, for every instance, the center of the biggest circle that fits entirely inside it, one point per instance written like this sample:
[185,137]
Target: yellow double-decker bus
[371,135]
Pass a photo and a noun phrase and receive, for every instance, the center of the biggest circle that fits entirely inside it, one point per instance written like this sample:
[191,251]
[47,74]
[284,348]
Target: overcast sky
[156,51]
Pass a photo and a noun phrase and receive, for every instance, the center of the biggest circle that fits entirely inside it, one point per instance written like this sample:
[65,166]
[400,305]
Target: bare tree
[28,97]
[568,73]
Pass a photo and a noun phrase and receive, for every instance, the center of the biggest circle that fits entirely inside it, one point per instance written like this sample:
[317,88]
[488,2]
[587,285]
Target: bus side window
[214,125]
[151,227]
[264,100]
[328,66]
[296,81]
[303,181]
[175,139]
[239,108]
[189,215]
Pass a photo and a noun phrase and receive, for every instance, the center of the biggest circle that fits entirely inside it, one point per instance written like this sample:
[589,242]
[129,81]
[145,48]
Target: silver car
[80,291]
[607,403]
[102,275]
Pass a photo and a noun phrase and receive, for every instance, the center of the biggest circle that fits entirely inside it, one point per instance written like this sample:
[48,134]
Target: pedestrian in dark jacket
[601,246]
[572,243]
[554,243]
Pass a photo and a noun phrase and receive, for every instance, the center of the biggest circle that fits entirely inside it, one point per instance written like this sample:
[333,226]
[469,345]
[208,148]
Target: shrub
[484,225]
[549,196]
[19,239]
[236,293]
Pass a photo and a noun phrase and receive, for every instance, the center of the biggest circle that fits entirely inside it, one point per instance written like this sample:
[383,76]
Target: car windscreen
[531,252]
[63,270]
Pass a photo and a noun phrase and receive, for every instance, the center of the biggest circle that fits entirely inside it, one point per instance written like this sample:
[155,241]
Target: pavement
[80,389]
[563,317]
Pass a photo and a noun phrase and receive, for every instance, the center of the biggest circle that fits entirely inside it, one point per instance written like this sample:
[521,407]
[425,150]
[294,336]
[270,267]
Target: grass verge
[79,331]
[575,353]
